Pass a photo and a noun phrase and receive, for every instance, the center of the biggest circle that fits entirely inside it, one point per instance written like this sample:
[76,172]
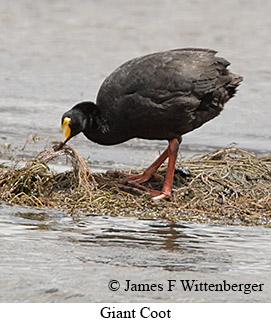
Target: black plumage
[158,96]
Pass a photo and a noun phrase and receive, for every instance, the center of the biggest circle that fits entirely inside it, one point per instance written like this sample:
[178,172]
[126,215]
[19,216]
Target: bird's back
[171,92]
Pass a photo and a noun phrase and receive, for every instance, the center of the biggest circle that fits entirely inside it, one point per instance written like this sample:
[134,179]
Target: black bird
[158,96]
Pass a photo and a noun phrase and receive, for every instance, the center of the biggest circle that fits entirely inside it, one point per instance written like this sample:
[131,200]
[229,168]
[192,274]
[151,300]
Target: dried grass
[229,186]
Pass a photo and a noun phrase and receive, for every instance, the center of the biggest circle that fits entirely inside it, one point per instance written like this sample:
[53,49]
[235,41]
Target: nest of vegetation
[228,186]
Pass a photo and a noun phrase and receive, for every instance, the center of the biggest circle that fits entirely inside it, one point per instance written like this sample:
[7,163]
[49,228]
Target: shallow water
[51,256]
[54,54]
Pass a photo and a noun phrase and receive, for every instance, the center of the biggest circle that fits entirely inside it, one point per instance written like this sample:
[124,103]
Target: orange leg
[142,178]
[137,180]
[173,148]
[152,168]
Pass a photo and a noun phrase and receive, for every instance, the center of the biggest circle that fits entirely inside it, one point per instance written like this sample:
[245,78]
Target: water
[51,256]
[54,54]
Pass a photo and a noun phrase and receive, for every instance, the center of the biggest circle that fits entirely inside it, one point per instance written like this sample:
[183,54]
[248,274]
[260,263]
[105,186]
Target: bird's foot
[132,183]
[136,178]
[160,195]
[138,189]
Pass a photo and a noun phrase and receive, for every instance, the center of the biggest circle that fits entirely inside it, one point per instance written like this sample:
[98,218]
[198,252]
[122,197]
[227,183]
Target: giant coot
[159,96]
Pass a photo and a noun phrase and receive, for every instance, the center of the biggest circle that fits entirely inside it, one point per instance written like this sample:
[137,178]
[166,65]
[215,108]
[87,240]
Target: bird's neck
[107,128]
[97,129]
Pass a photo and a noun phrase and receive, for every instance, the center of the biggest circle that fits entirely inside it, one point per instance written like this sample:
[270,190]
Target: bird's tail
[234,83]
[236,79]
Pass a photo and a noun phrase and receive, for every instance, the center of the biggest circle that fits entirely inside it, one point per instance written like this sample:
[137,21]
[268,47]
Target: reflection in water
[51,246]
[156,234]
[155,243]
[172,234]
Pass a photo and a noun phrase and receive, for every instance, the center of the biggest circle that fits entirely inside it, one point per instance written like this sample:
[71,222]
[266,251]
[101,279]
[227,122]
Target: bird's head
[76,120]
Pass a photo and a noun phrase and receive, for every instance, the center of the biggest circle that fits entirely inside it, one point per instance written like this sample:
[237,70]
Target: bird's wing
[166,76]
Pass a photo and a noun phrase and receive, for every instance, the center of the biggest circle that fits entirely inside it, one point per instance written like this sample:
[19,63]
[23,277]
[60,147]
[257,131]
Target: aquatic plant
[228,186]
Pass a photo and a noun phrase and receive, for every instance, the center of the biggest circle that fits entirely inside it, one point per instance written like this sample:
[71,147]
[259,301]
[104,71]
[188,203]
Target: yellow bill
[66,127]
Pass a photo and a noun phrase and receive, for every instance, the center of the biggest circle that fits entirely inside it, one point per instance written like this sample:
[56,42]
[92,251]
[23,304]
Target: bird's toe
[160,196]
